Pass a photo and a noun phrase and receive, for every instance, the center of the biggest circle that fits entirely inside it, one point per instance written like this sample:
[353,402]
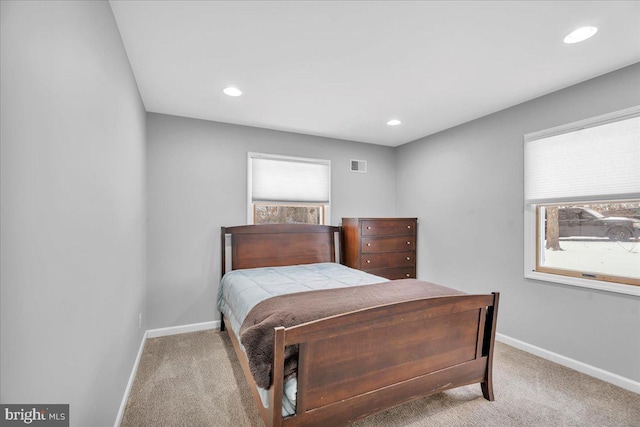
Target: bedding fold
[257,330]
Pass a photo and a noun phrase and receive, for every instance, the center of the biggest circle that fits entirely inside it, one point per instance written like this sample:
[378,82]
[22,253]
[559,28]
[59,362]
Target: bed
[353,363]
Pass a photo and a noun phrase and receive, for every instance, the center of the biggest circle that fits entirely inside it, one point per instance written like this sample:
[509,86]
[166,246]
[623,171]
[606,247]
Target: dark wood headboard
[274,245]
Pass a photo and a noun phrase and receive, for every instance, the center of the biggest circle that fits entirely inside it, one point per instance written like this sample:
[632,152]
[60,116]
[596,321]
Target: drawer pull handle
[408,275]
[368,244]
[408,243]
[368,261]
[408,226]
[368,228]
[408,258]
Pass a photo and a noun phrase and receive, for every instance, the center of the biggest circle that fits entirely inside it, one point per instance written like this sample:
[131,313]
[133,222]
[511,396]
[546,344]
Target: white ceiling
[342,69]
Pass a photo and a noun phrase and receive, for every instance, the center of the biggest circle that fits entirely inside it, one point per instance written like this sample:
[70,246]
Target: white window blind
[287,179]
[594,159]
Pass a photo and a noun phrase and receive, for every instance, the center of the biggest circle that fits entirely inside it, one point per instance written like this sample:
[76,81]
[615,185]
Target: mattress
[241,290]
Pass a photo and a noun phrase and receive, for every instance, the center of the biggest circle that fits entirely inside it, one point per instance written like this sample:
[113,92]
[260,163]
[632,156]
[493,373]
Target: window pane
[281,214]
[591,240]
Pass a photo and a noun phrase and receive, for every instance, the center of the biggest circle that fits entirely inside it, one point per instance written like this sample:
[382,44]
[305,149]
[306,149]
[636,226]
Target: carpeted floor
[195,380]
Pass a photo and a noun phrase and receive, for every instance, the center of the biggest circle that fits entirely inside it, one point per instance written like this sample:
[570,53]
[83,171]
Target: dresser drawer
[387,227]
[385,260]
[388,244]
[385,247]
[394,273]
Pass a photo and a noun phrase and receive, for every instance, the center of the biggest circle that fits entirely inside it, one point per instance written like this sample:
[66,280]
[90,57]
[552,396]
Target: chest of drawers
[382,246]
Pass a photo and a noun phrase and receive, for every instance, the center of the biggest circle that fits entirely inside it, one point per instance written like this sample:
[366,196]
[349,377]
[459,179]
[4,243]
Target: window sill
[584,283]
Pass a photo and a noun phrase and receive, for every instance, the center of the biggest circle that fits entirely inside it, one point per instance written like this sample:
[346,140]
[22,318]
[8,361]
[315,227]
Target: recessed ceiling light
[394,122]
[232,91]
[580,34]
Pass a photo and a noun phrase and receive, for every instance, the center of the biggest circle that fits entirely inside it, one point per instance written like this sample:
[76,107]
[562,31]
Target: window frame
[326,208]
[603,277]
[531,258]
[533,223]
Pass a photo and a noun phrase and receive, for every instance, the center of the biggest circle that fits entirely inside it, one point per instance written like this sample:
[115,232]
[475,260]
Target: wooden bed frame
[356,364]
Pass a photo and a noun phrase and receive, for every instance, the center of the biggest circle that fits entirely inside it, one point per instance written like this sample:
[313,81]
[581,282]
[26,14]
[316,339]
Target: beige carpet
[195,380]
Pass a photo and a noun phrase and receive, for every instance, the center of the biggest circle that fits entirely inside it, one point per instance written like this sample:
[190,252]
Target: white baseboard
[601,374]
[182,329]
[132,377]
[155,333]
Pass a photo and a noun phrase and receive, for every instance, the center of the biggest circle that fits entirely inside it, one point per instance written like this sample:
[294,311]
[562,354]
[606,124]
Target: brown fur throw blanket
[257,330]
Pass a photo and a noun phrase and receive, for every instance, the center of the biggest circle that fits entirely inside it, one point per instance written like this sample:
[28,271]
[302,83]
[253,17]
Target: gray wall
[72,263]
[466,187]
[197,182]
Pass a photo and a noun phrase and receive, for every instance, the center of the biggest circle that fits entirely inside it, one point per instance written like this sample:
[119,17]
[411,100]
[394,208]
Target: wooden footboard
[356,364]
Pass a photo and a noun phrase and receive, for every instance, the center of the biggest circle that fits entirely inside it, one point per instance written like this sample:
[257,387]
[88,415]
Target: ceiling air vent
[359,166]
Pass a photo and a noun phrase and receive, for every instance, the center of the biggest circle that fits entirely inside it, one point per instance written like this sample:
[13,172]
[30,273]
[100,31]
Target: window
[284,189]
[582,203]
[593,241]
